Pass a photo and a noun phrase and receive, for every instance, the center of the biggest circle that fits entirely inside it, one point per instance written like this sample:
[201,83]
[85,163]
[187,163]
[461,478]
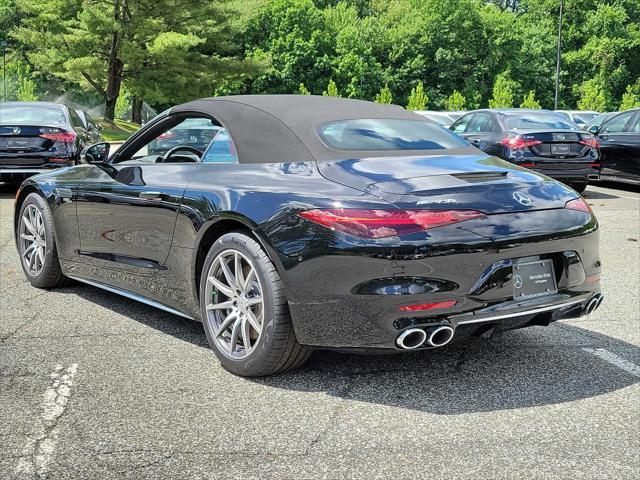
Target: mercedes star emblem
[517,281]
[522,198]
[16,130]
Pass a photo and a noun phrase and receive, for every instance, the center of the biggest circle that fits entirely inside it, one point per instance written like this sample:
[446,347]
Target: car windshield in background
[196,123]
[37,116]
[584,118]
[534,120]
[387,134]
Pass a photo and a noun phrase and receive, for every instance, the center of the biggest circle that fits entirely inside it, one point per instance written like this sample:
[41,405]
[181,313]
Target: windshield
[31,115]
[388,134]
[583,118]
[528,121]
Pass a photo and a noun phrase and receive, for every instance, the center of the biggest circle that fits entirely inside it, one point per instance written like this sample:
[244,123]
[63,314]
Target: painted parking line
[614,359]
[39,447]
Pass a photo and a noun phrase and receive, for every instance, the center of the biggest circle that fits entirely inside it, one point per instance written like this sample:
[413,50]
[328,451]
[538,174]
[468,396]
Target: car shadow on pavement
[524,368]
[181,328]
[593,195]
[8,190]
[521,368]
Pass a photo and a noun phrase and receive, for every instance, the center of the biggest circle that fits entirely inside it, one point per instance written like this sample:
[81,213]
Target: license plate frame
[533,278]
[560,149]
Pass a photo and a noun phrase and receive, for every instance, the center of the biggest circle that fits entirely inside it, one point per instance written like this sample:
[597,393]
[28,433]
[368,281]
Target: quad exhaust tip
[412,338]
[416,337]
[440,336]
[593,304]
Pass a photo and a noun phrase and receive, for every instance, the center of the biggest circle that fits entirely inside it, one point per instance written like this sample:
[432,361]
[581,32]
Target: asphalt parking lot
[97,386]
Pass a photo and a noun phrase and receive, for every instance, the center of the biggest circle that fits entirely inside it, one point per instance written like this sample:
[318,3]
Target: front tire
[245,311]
[37,244]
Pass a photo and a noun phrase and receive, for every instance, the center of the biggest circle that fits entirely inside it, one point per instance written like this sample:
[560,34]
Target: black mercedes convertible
[314,222]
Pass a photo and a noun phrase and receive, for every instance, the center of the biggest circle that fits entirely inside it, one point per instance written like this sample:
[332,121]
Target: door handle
[151,195]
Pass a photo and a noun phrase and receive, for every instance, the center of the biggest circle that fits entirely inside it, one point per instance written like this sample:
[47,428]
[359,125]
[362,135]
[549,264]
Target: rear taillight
[590,142]
[165,136]
[386,223]
[519,142]
[527,165]
[578,204]
[59,136]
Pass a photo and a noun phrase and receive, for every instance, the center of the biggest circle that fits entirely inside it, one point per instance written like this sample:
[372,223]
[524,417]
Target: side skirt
[132,296]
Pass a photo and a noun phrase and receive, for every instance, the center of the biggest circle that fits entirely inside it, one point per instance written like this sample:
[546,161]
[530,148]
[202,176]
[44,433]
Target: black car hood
[478,182]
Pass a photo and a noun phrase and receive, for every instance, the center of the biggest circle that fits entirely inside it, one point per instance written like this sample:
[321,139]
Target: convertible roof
[282,128]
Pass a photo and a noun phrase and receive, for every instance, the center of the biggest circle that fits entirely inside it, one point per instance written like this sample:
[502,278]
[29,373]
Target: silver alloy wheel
[235,307]
[33,240]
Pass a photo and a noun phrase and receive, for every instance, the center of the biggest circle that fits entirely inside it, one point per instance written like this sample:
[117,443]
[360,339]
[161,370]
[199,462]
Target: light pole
[3,44]
[555,101]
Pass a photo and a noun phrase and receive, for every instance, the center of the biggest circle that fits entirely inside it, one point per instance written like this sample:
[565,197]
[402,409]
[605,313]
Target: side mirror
[96,153]
[594,129]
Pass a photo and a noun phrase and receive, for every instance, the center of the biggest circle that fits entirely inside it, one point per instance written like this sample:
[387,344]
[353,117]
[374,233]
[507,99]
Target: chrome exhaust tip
[412,338]
[592,304]
[440,336]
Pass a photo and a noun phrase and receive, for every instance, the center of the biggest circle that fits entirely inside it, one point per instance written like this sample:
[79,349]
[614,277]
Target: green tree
[302,90]
[631,97]
[417,98]
[530,101]
[385,95]
[592,96]
[502,92]
[26,90]
[167,51]
[332,89]
[455,101]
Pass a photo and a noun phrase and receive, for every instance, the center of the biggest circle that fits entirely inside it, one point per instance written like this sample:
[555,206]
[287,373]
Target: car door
[631,151]
[483,132]
[616,145]
[81,130]
[127,209]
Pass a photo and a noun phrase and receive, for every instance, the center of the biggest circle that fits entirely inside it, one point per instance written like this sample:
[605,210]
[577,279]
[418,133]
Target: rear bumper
[353,296]
[583,175]
[579,171]
[14,173]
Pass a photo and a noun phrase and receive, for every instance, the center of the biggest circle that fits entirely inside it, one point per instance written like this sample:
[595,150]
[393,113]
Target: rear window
[584,118]
[387,134]
[37,116]
[526,121]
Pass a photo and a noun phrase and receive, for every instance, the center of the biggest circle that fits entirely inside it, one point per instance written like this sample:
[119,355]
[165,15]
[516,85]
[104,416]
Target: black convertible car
[315,222]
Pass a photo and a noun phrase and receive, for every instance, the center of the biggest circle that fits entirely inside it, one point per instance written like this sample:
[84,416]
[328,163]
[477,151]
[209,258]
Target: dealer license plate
[533,279]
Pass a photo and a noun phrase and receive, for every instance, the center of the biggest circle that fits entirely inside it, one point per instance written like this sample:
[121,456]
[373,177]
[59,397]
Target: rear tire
[37,244]
[579,187]
[246,292]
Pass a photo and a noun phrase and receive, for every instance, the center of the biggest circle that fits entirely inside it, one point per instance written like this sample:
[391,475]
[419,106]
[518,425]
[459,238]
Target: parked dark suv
[38,136]
[541,140]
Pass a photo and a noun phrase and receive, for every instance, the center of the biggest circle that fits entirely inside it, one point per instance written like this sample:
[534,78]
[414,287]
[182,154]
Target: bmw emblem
[16,130]
[522,198]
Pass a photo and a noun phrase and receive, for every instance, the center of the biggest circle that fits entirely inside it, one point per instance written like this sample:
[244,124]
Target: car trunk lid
[557,148]
[475,182]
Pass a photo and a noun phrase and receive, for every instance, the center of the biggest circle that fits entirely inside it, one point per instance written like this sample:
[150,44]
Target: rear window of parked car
[387,134]
[528,121]
[37,116]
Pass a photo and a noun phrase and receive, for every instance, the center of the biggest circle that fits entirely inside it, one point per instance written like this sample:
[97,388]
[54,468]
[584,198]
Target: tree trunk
[136,110]
[114,69]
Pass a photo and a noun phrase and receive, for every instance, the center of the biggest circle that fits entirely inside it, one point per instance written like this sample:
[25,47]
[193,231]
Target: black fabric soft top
[282,128]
